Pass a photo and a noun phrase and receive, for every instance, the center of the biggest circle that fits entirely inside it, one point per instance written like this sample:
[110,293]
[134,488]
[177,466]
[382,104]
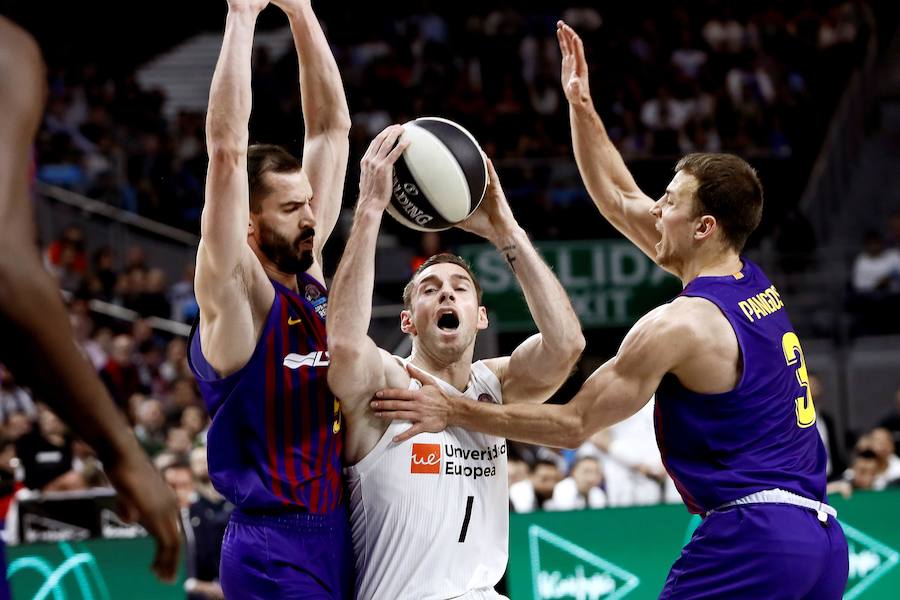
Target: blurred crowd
[703,76]
[874,297]
[712,78]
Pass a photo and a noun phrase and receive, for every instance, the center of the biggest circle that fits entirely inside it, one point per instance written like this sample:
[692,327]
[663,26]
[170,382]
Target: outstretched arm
[657,344]
[325,115]
[358,366]
[226,212]
[232,289]
[541,363]
[605,175]
[37,342]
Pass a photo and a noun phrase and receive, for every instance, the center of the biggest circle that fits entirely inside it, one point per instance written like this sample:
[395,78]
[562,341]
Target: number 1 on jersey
[806,412]
[465,525]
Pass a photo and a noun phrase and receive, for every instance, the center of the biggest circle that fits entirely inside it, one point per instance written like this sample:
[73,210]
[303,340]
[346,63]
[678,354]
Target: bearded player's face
[285,226]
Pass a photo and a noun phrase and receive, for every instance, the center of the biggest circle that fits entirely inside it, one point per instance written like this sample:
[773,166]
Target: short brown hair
[262,159]
[444,257]
[729,190]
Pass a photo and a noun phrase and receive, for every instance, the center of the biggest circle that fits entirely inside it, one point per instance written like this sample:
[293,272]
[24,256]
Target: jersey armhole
[204,371]
[738,336]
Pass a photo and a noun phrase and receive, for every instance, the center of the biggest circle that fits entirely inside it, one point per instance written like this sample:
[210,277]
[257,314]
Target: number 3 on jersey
[806,412]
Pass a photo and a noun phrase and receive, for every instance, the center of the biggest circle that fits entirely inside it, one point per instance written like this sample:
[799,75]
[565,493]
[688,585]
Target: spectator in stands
[150,427]
[182,299]
[632,466]
[872,467]
[120,374]
[14,398]
[152,299]
[533,493]
[891,421]
[175,365]
[827,429]
[864,473]
[179,442]
[195,422]
[184,394]
[46,453]
[876,287]
[516,470]
[203,525]
[877,268]
[882,443]
[581,489]
[10,475]
[67,251]
[17,425]
[103,276]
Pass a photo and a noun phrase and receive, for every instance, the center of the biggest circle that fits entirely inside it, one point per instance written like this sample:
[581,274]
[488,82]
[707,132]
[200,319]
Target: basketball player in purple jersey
[36,339]
[734,415]
[259,349]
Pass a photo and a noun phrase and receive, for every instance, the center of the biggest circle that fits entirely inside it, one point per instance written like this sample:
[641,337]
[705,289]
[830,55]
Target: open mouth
[448,322]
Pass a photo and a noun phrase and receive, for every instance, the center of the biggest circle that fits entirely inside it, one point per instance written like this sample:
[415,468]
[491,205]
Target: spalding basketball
[440,178]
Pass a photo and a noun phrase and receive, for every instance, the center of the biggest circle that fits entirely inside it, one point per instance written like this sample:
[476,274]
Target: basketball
[441,177]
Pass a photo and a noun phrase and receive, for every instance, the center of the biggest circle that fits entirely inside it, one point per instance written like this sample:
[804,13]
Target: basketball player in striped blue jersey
[430,518]
[259,348]
[734,417]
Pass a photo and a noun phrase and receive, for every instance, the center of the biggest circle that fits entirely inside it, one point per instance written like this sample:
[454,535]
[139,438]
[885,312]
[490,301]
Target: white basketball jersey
[430,516]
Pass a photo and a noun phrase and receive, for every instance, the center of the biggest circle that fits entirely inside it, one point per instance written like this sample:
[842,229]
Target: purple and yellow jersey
[762,434]
[275,439]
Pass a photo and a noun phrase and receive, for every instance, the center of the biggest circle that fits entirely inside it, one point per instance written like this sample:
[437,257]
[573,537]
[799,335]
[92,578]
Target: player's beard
[286,254]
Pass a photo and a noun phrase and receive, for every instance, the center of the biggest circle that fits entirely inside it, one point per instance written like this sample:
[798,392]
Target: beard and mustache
[286,254]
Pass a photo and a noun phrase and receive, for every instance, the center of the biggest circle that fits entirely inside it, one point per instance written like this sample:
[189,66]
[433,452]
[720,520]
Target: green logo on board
[561,569]
[870,560]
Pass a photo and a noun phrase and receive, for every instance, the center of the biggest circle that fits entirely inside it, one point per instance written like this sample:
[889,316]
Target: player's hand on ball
[493,218]
[428,408]
[574,72]
[377,168]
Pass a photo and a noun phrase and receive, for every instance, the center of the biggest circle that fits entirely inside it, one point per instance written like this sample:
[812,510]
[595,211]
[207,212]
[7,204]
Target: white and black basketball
[440,178]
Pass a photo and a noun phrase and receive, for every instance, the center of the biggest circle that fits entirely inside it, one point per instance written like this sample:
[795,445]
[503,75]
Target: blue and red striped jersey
[275,440]
[760,435]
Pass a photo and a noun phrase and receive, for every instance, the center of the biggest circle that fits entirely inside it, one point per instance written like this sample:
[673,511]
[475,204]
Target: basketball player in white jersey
[430,516]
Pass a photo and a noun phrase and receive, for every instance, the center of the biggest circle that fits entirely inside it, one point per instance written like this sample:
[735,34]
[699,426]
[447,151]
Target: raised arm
[657,344]
[544,361]
[325,115]
[37,342]
[608,181]
[358,366]
[226,212]
[232,289]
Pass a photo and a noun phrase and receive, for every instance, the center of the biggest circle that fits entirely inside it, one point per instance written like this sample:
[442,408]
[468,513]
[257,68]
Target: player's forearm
[230,96]
[37,344]
[322,91]
[546,424]
[547,299]
[602,168]
[350,297]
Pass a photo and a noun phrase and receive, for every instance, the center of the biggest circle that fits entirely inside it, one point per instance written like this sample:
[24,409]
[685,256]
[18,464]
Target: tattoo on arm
[509,252]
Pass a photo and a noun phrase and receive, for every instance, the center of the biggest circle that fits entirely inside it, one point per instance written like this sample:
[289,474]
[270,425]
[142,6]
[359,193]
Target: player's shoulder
[685,320]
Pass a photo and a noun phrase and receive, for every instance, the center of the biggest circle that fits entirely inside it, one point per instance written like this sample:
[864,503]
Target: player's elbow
[575,345]
[574,431]
[226,155]
[343,349]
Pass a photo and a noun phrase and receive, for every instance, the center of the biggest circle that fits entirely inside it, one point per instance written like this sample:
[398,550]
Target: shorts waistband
[780,496]
[292,519]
